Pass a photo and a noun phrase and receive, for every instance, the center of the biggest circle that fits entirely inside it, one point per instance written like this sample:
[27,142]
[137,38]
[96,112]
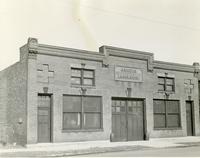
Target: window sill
[175,128]
[83,130]
[169,92]
[83,86]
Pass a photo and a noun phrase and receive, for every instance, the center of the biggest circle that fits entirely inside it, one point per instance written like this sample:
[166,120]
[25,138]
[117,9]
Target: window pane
[122,109]
[159,106]
[169,88]
[88,81]
[88,73]
[161,87]
[170,81]
[173,120]
[172,106]
[130,109]
[117,109]
[117,103]
[113,102]
[113,109]
[161,80]
[75,80]
[51,73]
[39,73]
[71,120]
[76,72]
[140,103]
[92,104]
[132,103]
[92,120]
[43,101]
[71,104]
[139,108]
[159,120]
[122,103]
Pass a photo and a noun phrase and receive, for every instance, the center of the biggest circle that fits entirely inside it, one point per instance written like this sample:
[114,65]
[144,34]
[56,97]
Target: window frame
[165,84]
[82,70]
[167,114]
[82,117]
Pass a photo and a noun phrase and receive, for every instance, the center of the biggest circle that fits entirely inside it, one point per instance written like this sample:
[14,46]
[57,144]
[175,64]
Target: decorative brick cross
[44,74]
[189,86]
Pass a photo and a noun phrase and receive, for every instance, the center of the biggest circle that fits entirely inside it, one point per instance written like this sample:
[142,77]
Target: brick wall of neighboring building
[13,94]
[3,107]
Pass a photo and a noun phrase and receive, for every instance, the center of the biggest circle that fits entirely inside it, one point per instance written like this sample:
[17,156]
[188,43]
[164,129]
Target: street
[164,152]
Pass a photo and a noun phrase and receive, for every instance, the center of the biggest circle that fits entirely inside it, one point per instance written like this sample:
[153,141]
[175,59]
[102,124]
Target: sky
[168,28]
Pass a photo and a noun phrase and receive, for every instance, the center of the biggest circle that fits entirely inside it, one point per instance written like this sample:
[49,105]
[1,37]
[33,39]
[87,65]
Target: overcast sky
[168,28]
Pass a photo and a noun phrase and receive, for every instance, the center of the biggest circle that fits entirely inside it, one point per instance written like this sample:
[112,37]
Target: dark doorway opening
[189,118]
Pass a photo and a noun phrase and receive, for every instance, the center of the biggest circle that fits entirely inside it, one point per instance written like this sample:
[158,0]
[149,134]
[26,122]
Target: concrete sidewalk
[74,148]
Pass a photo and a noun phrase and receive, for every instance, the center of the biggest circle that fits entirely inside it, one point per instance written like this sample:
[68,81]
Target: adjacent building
[56,94]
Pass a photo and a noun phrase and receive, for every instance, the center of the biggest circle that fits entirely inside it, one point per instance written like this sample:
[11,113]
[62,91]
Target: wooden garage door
[127,120]
[44,119]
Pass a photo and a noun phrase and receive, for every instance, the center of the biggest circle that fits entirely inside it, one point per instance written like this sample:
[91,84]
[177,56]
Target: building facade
[56,94]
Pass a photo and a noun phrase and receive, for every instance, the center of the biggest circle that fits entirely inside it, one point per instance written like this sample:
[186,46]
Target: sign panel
[128,74]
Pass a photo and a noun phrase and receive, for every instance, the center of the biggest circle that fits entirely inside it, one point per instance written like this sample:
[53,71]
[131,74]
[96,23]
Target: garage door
[127,120]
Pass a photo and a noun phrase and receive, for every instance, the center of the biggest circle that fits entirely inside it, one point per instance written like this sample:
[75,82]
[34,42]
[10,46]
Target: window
[166,84]
[119,106]
[71,112]
[166,114]
[80,76]
[81,112]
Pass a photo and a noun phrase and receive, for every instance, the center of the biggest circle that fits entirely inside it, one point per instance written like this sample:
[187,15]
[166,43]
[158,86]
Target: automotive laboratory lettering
[128,74]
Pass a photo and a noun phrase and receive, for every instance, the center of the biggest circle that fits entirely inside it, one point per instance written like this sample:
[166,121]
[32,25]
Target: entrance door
[189,118]
[119,122]
[44,118]
[135,120]
[127,120]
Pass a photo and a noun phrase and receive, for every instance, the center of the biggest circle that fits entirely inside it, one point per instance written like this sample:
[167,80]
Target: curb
[96,150]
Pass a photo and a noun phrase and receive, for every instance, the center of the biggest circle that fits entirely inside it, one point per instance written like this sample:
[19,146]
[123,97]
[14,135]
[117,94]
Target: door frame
[192,115]
[145,137]
[51,116]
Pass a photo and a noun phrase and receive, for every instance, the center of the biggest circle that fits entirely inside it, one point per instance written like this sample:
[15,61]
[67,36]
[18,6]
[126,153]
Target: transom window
[166,84]
[166,114]
[80,76]
[82,112]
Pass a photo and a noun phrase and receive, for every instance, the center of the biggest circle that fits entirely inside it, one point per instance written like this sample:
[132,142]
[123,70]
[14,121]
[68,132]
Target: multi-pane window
[166,84]
[80,76]
[118,106]
[166,114]
[82,112]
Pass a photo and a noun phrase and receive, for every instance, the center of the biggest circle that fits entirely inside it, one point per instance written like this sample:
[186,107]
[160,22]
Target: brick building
[56,94]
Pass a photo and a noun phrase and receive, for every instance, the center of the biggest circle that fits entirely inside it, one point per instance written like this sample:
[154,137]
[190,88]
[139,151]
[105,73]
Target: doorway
[44,118]
[189,118]
[127,119]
